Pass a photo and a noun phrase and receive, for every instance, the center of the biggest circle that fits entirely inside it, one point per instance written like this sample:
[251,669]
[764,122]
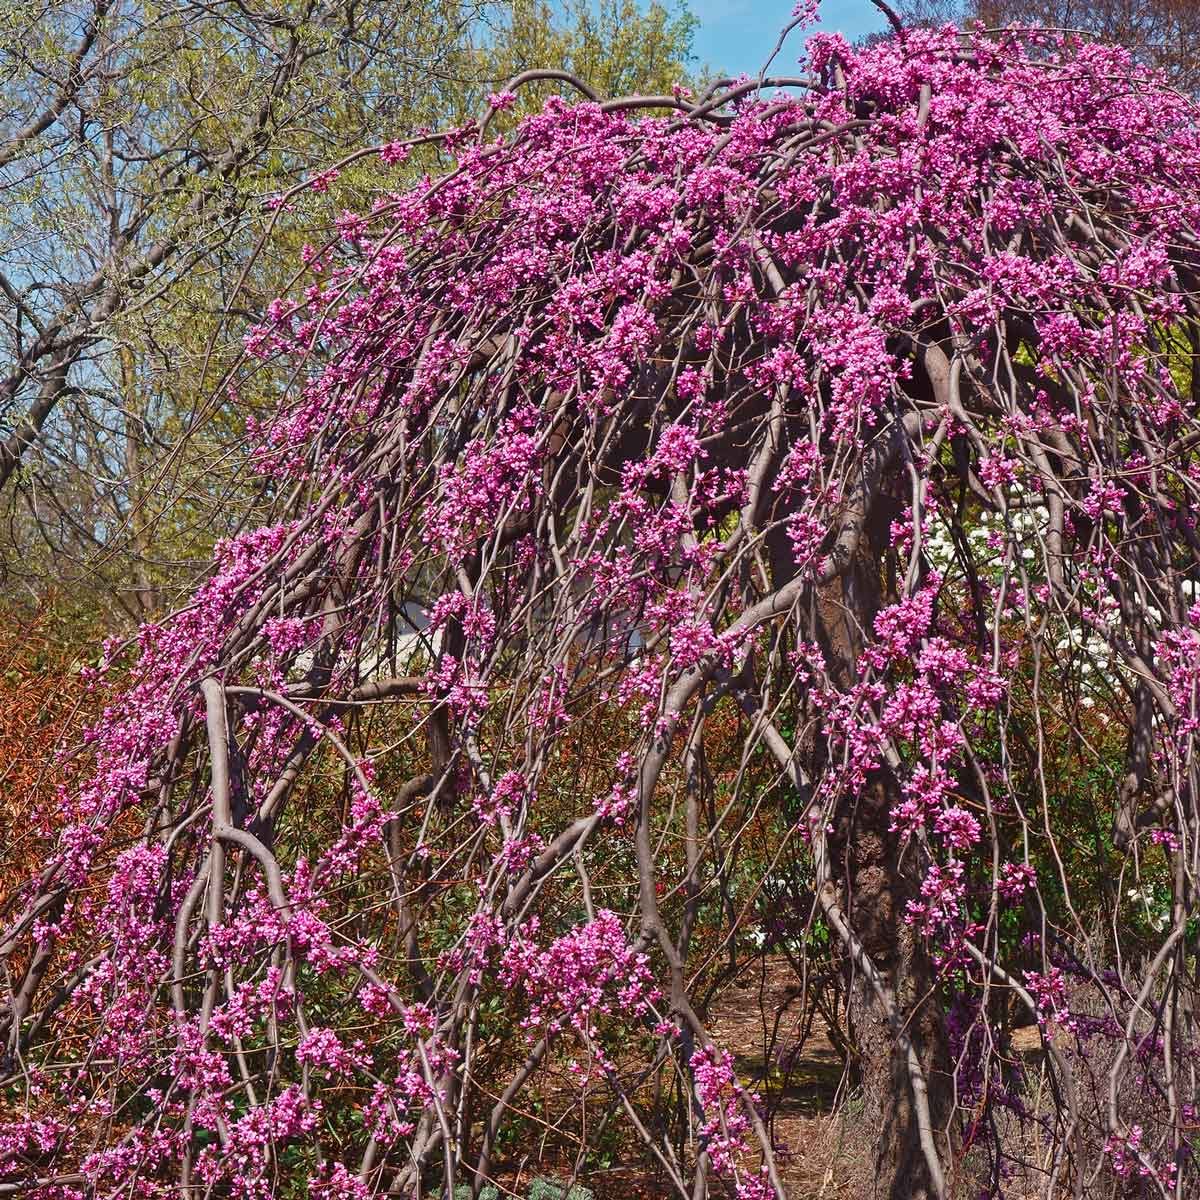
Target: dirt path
[800,1080]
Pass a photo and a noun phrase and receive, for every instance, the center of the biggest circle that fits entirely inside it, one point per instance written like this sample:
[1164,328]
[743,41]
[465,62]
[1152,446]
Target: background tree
[140,147]
[1164,34]
[614,46]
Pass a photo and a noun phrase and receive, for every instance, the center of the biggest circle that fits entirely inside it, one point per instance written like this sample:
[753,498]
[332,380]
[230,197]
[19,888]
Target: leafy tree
[772,512]
[614,46]
[140,148]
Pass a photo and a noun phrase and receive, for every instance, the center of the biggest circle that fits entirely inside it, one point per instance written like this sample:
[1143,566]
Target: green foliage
[142,202]
[487,1192]
[618,47]
[550,1189]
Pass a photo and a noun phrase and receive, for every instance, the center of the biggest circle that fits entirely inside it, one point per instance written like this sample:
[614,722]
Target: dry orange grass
[43,704]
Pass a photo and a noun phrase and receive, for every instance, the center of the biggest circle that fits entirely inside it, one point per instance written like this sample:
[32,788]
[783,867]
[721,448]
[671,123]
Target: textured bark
[876,886]
[876,875]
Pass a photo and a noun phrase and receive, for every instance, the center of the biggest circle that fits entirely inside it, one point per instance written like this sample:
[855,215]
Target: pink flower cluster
[727,1123]
[582,975]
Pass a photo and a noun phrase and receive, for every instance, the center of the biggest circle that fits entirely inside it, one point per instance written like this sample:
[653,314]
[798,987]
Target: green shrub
[550,1189]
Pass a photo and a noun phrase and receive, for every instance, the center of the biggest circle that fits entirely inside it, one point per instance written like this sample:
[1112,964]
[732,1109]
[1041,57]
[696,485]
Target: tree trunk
[875,878]
[875,888]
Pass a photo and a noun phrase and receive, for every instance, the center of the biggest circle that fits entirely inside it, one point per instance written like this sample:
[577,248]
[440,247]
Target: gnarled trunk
[898,1036]
[875,885]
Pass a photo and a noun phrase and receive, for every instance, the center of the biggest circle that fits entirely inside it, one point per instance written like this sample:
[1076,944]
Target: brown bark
[875,886]
[875,876]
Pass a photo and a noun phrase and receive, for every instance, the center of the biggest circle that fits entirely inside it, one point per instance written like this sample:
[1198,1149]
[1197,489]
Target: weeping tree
[753,523]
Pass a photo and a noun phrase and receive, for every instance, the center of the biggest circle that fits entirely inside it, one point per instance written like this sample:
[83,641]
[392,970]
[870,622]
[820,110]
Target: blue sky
[737,35]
